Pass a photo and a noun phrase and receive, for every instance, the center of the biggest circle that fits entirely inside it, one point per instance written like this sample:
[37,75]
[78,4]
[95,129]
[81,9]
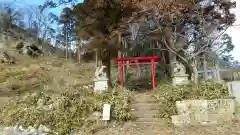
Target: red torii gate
[121,62]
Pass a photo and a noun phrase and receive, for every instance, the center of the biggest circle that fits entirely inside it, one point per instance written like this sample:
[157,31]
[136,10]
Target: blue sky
[234,32]
[36,2]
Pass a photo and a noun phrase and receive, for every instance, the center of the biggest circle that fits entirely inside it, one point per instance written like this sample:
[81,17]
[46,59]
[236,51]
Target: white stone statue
[179,69]
[180,77]
[100,74]
[101,80]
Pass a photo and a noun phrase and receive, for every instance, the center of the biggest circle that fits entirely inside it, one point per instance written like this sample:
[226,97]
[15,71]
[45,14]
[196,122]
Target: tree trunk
[66,41]
[106,60]
[97,57]
[195,71]
[108,65]
[205,69]
[66,52]
[79,55]
[172,57]
[218,71]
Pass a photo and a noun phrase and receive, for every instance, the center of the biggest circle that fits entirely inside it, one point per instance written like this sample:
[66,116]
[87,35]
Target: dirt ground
[132,128]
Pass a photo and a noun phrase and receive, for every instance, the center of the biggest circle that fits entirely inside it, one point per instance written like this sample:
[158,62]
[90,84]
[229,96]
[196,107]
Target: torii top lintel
[138,58]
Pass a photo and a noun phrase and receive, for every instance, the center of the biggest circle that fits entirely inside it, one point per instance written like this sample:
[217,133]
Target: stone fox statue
[100,73]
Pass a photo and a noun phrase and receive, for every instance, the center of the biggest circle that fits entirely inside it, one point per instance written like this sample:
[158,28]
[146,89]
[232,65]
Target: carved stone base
[180,80]
[100,85]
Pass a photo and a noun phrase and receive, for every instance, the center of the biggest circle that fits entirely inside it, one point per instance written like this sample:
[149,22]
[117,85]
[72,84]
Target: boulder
[5,58]
[29,49]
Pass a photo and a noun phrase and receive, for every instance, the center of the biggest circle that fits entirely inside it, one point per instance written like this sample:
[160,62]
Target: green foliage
[226,46]
[70,111]
[167,95]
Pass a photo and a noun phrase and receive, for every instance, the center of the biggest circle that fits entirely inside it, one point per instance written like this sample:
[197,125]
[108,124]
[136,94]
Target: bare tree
[10,15]
[39,21]
[67,19]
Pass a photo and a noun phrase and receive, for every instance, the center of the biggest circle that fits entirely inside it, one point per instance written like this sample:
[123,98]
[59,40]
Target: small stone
[6,128]
[40,102]
[85,87]
[30,127]
[97,114]
[11,131]
[33,130]
[21,128]
[8,132]
[43,129]
[49,107]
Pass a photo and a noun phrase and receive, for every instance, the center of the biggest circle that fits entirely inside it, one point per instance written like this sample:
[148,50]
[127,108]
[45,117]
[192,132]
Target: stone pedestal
[180,80]
[101,80]
[233,90]
[100,85]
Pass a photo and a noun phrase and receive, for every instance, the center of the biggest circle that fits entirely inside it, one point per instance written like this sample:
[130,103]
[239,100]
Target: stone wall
[204,112]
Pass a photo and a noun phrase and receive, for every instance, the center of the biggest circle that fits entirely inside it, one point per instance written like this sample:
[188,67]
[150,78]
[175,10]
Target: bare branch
[170,49]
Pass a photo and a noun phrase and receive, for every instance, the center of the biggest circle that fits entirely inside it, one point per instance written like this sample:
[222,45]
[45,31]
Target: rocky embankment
[19,40]
[19,130]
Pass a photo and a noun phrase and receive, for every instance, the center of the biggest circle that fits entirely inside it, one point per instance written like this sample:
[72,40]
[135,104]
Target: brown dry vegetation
[48,73]
[56,77]
[61,86]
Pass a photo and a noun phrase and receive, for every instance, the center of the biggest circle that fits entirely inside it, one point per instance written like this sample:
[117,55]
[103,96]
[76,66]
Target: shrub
[67,112]
[167,95]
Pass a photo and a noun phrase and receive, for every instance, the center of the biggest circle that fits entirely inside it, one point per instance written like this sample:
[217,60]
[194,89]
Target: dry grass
[50,74]
[60,86]
[55,76]
[71,111]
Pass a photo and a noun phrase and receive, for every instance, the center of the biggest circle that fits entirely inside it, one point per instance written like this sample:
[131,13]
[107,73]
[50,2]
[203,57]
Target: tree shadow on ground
[140,85]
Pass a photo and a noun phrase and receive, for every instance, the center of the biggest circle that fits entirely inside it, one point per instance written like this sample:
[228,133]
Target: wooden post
[153,74]
[120,68]
[96,58]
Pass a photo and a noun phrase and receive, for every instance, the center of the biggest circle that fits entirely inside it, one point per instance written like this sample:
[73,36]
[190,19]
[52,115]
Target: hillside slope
[13,36]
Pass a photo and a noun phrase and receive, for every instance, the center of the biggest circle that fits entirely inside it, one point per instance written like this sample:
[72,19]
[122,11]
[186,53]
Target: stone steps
[148,120]
[146,115]
[144,109]
[144,106]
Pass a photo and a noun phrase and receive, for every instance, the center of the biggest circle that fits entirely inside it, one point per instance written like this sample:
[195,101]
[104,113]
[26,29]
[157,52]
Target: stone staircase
[144,108]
